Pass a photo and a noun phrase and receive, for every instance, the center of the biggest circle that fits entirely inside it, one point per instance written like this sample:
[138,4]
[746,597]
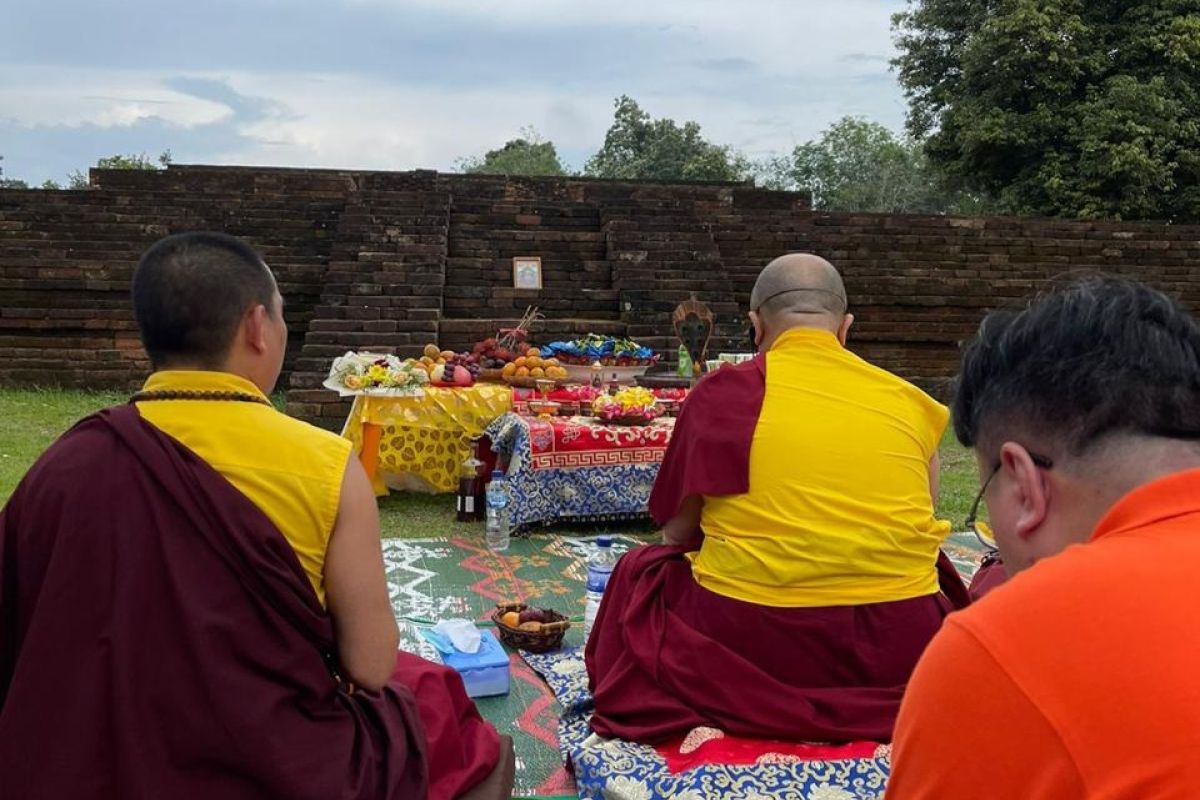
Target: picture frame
[527,272]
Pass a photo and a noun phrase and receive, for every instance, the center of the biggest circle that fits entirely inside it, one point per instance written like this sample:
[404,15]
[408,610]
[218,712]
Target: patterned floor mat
[432,579]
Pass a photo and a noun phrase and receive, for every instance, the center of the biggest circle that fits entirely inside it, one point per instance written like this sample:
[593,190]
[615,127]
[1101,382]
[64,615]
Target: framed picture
[527,272]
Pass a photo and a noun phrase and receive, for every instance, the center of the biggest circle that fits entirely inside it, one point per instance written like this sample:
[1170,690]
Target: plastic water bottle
[599,566]
[497,512]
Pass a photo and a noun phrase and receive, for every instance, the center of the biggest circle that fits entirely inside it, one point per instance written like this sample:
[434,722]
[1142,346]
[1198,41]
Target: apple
[462,376]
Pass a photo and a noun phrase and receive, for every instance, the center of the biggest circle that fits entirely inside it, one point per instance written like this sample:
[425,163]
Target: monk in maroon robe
[667,654]
[159,636]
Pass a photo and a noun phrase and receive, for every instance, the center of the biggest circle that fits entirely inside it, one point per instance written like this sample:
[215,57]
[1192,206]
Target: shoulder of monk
[890,377]
[308,433]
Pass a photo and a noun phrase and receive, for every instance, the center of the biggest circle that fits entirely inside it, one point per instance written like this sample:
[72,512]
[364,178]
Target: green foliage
[79,179]
[527,155]
[1059,107]
[857,165]
[639,147]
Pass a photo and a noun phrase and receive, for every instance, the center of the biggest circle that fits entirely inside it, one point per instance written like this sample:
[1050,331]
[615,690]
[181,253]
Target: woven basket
[548,638]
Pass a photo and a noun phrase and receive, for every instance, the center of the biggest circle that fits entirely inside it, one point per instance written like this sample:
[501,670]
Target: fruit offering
[508,344]
[634,405]
[447,368]
[367,372]
[608,351]
[532,366]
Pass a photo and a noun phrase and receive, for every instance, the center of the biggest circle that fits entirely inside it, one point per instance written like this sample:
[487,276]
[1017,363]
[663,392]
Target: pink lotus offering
[630,406]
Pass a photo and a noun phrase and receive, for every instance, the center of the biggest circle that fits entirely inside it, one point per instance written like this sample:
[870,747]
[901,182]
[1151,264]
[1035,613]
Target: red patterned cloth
[711,746]
[571,442]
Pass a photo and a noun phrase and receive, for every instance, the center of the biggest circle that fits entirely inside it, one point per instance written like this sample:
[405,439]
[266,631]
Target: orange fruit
[532,627]
[537,372]
[551,362]
[534,361]
[522,372]
[520,362]
[509,370]
[511,618]
[533,351]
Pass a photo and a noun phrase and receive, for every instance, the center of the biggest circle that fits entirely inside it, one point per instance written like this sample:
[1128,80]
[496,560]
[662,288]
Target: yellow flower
[377,374]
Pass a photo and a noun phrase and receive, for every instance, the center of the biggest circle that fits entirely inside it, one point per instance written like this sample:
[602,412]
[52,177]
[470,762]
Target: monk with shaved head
[800,576]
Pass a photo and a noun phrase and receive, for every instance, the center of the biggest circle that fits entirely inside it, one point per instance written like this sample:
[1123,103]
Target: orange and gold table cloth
[420,443]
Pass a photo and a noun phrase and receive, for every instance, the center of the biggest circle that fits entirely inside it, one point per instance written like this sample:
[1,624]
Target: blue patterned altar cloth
[546,495]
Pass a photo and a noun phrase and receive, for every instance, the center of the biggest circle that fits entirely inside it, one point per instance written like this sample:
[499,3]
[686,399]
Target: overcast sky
[406,84]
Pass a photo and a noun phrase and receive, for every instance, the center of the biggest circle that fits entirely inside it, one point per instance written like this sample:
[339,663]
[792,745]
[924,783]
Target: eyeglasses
[983,531]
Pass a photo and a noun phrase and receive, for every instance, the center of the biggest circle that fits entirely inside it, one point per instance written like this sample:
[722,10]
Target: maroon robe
[667,655]
[159,639]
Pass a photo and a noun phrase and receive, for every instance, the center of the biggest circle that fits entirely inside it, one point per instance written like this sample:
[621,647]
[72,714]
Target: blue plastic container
[485,673]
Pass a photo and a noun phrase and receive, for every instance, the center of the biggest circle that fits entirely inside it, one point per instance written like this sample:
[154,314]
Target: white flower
[827,792]
[569,667]
[623,788]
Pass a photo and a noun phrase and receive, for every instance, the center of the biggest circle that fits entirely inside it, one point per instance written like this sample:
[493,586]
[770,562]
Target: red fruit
[533,615]
[462,376]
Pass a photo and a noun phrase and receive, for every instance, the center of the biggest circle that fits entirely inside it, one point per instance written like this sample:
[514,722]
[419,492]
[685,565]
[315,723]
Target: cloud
[400,84]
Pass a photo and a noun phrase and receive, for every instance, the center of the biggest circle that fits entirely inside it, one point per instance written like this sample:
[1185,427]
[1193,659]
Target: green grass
[33,419]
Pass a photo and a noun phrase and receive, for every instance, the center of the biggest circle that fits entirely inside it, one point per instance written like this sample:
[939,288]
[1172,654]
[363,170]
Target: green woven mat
[432,579]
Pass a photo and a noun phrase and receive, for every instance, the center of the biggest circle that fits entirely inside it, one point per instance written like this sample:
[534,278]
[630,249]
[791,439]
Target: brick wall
[390,261]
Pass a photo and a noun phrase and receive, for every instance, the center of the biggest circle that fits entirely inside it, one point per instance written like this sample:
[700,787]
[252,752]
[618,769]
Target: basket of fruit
[534,629]
[505,347]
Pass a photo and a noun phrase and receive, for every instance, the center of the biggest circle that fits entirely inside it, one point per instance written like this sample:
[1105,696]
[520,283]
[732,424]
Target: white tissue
[462,633]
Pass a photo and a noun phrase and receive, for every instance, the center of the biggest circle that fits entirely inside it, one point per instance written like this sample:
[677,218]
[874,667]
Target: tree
[10,183]
[527,155]
[1059,107]
[857,165]
[637,146]
[79,179]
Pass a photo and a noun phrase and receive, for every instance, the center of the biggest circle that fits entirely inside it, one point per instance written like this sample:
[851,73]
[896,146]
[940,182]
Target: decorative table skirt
[420,443]
[574,469]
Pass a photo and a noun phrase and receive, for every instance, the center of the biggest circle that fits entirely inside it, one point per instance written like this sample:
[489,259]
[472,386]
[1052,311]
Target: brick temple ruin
[393,260]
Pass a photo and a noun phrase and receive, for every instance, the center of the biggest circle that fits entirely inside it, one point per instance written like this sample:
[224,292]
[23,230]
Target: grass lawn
[34,418]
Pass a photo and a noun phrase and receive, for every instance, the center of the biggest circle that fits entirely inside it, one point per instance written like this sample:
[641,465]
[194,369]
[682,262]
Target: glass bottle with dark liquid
[471,485]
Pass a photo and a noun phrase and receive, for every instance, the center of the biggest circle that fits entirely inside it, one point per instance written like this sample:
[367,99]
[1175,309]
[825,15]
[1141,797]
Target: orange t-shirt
[1078,678]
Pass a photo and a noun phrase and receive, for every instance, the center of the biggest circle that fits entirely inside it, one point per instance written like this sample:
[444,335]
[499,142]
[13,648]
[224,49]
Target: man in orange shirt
[1076,678]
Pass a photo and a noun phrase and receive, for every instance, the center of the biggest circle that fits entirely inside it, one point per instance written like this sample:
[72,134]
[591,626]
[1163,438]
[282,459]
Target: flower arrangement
[633,405]
[356,373]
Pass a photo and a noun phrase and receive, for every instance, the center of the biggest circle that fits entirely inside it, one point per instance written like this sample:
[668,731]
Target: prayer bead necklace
[197,394]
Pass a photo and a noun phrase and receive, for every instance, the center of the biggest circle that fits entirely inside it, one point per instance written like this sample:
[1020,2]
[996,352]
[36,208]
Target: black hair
[190,292]
[1096,355]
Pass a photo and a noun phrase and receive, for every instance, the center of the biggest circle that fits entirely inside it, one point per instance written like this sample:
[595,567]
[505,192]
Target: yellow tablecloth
[420,443]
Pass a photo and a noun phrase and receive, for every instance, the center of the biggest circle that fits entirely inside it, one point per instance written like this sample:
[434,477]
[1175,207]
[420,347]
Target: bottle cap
[604,541]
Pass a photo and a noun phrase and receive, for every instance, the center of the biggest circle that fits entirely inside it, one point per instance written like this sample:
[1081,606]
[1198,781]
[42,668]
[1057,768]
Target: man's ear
[844,328]
[1029,488]
[255,328]
[759,331]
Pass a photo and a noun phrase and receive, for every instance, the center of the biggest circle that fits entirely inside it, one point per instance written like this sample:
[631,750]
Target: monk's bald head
[798,284]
